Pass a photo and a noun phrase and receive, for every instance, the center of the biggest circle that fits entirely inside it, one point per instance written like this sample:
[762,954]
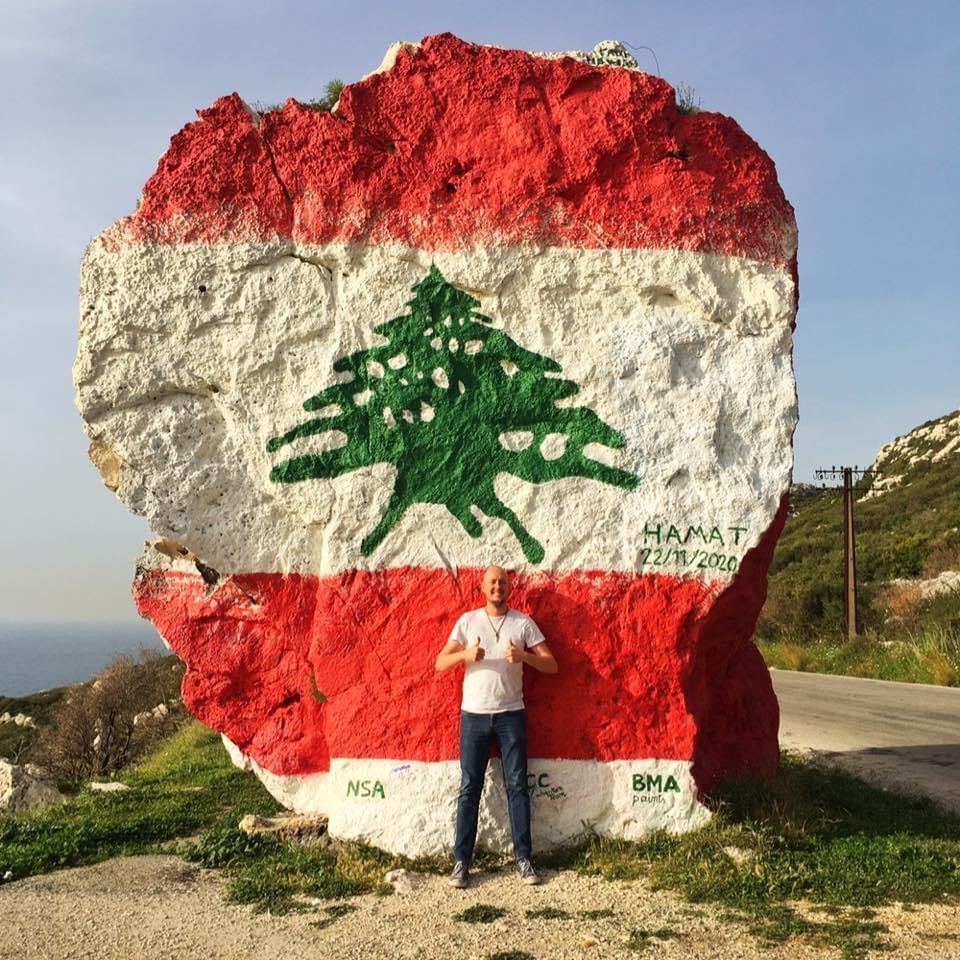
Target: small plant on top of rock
[687,100]
[328,101]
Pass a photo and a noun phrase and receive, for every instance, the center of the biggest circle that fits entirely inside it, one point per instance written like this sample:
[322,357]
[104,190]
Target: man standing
[494,643]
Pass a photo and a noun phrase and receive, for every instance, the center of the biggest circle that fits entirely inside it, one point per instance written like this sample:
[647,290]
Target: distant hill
[908,526]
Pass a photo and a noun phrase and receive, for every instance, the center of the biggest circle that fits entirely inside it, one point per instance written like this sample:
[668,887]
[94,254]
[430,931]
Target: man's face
[496,585]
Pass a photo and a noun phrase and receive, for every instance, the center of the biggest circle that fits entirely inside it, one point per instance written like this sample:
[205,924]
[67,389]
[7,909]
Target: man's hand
[515,654]
[473,653]
[455,653]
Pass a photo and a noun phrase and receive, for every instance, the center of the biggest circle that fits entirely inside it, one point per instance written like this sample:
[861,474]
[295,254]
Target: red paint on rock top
[460,145]
[261,649]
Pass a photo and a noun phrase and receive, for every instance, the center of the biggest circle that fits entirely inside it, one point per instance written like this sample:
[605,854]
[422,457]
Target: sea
[40,654]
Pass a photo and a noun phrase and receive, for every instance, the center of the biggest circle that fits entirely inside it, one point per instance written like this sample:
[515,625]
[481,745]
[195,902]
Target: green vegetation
[687,100]
[548,913]
[910,531]
[511,955]
[480,913]
[331,94]
[931,656]
[188,785]
[642,939]
[333,914]
[277,877]
[600,914]
[281,878]
[324,104]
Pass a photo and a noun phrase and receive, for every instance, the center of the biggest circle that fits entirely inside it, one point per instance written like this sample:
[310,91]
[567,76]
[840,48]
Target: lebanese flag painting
[494,308]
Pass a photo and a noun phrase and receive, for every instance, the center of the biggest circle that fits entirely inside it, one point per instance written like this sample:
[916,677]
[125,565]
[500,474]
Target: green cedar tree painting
[434,401]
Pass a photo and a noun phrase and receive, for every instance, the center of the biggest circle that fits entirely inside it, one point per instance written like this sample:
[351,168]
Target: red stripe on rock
[296,669]
[459,146]
[215,183]
[737,713]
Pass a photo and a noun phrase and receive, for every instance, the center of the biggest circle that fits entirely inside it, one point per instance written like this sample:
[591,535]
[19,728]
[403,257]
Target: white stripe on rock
[409,808]
[192,357]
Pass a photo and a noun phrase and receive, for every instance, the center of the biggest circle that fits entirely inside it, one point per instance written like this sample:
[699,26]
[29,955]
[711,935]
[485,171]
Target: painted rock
[495,308]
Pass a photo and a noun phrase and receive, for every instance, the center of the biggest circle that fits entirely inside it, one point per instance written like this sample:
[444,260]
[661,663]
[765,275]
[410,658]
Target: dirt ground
[163,906]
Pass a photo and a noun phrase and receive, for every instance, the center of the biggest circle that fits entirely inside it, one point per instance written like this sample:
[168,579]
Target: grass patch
[642,939]
[188,785]
[332,914]
[276,877]
[480,913]
[853,937]
[600,914]
[275,881]
[548,913]
[511,955]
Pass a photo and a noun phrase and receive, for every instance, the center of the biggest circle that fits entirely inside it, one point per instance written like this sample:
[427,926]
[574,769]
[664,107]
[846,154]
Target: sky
[855,102]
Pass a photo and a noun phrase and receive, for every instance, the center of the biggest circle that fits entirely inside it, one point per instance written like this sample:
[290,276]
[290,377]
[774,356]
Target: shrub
[687,100]
[944,555]
[901,604]
[330,97]
[109,722]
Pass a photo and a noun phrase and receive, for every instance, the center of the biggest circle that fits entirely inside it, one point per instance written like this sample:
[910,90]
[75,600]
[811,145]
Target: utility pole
[850,616]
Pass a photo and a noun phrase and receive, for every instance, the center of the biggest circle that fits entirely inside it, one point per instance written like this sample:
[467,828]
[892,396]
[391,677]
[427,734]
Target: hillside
[908,527]
[16,739]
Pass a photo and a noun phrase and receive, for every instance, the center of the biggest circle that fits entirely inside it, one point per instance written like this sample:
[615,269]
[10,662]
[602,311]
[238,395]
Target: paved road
[902,736]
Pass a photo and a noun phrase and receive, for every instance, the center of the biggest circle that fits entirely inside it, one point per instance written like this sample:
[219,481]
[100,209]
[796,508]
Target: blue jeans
[476,732]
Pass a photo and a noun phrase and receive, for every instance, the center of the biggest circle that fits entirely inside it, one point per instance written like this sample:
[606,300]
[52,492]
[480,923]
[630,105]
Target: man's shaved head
[496,586]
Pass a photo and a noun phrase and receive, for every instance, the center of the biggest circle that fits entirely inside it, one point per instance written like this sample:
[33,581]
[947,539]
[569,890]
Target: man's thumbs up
[474,652]
[515,654]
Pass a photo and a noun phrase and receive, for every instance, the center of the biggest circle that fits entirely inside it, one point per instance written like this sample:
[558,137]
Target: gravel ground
[118,909]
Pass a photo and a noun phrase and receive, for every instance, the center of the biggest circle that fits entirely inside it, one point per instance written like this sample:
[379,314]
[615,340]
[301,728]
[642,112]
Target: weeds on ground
[480,913]
[601,914]
[278,880]
[642,939]
[548,913]
[332,914]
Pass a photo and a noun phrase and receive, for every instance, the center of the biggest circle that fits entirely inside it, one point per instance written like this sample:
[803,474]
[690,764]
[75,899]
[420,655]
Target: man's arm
[454,653]
[539,657]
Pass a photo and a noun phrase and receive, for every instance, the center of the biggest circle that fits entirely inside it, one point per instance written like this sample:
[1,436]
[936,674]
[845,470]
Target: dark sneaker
[460,876]
[526,873]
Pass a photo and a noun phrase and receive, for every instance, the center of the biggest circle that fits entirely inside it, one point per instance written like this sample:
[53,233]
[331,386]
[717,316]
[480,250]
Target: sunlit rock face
[496,308]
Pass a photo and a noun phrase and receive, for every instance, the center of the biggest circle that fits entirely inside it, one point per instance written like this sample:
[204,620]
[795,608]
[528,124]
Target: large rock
[497,308]
[20,790]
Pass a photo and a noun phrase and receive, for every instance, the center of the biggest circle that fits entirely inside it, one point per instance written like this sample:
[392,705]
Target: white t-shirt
[493,685]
